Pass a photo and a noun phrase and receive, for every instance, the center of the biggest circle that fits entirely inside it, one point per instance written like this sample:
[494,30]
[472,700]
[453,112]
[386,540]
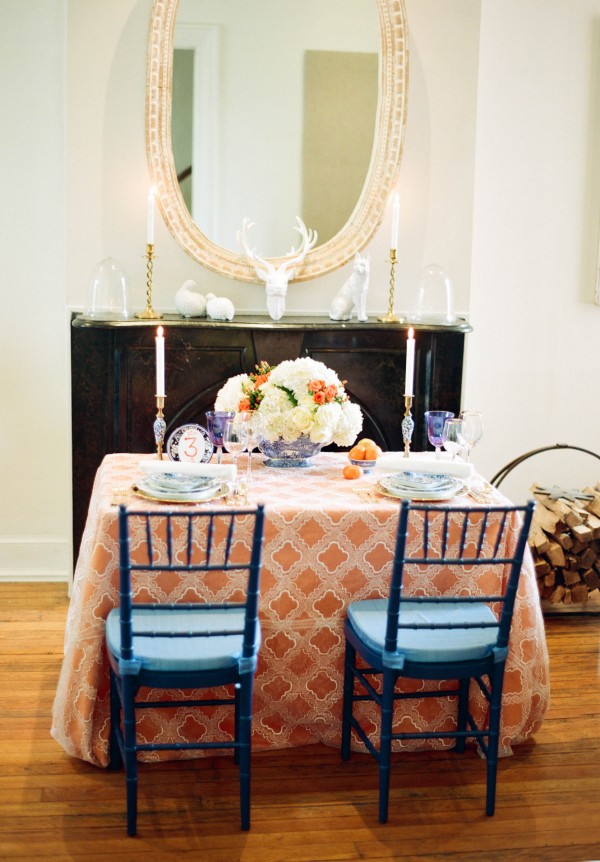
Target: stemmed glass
[452,439]
[472,430]
[215,423]
[435,420]
[235,440]
[252,419]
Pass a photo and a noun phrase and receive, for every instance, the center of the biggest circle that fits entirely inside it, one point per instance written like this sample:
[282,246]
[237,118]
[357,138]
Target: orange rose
[244,404]
[319,397]
[316,385]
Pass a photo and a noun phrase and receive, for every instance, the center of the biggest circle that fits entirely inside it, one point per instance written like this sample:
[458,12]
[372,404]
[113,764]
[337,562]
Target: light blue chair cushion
[182,653]
[369,619]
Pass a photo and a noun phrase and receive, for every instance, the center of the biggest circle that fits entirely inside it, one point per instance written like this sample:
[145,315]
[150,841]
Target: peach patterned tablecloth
[328,541]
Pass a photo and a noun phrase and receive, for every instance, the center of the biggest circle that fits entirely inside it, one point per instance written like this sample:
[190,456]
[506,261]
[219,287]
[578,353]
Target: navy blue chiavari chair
[460,637]
[197,645]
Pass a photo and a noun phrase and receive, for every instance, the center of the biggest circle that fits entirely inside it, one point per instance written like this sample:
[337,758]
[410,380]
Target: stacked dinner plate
[420,486]
[178,488]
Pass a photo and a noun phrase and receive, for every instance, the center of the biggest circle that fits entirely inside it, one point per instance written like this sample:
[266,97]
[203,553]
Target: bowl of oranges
[363,457]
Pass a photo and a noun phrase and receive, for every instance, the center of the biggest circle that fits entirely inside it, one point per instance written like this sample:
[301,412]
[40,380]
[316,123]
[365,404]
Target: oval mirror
[322,141]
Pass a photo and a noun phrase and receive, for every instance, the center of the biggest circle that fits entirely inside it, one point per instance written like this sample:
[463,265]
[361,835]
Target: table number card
[190,443]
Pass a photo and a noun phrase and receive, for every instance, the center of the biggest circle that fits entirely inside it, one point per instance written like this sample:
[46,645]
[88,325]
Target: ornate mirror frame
[381,177]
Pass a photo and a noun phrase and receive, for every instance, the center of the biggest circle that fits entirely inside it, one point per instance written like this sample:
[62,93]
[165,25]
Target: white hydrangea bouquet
[297,397]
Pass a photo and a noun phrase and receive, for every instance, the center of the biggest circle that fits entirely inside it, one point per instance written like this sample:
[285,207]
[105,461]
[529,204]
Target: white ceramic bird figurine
[219,307]
[189,302]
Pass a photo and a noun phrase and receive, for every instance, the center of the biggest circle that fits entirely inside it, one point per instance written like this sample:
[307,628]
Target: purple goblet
[435,420]
[215,425]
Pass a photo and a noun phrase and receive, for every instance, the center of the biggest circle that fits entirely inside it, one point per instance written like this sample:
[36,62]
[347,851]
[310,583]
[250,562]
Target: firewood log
[556,555]
[592,579]
[565,543]
[580,594]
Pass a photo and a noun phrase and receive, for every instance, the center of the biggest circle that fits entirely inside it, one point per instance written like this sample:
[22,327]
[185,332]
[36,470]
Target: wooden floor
[306,805]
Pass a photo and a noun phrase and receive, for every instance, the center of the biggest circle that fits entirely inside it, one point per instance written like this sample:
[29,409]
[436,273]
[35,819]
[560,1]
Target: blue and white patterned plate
[165,483]
[421,492]
[417,481]
[145,489]
[190,443]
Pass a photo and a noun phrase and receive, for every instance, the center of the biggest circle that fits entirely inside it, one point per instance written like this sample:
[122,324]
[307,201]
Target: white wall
[534,355]
[107,171]
[499,185]
[34,413]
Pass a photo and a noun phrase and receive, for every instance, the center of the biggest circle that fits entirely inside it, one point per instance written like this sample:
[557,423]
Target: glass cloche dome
[435,297]
[107,292]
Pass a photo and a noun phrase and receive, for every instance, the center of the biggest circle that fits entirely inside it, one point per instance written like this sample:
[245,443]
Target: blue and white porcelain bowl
[295,453]
[366,466]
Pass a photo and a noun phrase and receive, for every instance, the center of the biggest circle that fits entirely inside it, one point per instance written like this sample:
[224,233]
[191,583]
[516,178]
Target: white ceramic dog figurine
[353,293]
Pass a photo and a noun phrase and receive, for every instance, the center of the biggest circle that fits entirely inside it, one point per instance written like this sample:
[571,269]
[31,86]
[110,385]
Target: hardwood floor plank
[307,806]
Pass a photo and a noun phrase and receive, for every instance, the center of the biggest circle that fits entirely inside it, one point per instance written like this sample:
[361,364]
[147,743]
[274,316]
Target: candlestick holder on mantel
[390,317]
[149,313]
[408,425]
[160,426]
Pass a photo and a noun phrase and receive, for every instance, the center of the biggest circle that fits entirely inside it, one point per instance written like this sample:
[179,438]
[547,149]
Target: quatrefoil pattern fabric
[328,542]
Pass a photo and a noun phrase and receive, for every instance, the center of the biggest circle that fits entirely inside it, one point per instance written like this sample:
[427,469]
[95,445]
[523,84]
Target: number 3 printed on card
[190,443]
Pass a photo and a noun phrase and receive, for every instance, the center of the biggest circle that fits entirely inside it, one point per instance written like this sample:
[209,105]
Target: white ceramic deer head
[276,279]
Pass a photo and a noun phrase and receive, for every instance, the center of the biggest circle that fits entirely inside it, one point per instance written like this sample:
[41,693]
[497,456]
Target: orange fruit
[352,471]
[366,442]
[357,452]
[371,453]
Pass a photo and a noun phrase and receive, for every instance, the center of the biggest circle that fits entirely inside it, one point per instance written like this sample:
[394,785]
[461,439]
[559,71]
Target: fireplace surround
[113,377]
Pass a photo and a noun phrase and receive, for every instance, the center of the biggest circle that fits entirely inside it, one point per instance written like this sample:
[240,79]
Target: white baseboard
[35,558]
[24,577]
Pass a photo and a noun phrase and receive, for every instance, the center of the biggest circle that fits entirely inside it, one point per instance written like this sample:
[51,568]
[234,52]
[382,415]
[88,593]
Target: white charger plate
[418,482]
[216,489]
[423,496]
[177,483]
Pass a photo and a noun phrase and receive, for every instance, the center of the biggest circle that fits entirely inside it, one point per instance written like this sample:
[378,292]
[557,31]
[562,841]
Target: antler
[276,279]
[263,268]
[309,240]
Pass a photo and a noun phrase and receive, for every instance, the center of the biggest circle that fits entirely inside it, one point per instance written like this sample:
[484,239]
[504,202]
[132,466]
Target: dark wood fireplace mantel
[113,377]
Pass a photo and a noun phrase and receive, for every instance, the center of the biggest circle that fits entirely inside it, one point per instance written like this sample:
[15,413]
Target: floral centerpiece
[299,398]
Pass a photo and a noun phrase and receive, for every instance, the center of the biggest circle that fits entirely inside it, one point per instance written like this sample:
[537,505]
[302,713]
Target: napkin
[223,472]
[424,462]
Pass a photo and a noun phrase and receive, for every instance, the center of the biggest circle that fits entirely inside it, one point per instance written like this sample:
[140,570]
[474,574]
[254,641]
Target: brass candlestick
[148,313]
[390,317]
[160,426]
[408,425]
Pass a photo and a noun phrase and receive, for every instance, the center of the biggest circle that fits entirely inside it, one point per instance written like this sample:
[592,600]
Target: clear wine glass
[472,430]
[252,419]
[452,439]
[235,440]
[215,423]
[435,425]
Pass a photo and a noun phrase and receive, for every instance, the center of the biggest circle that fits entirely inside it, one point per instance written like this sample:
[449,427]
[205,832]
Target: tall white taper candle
[410,362]
[395,222]
[150,221]
[160,362]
